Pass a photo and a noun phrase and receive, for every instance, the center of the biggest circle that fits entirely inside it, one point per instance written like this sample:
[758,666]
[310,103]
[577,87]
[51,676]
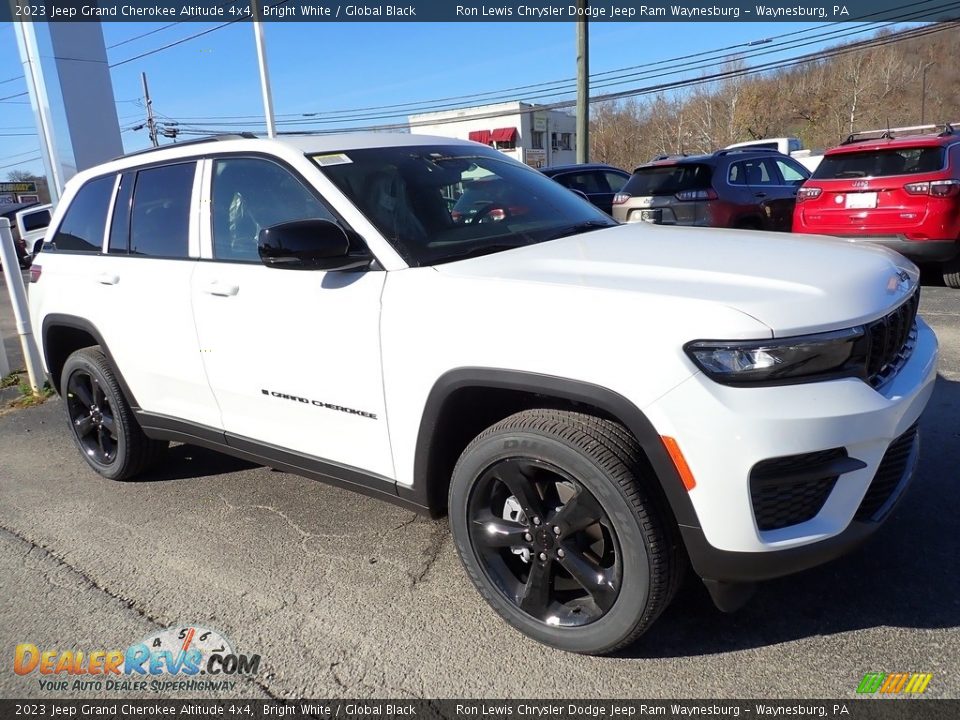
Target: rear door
[782,199]
[144,285]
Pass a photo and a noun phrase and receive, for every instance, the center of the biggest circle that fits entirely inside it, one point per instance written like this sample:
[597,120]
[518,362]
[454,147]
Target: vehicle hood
[791,283]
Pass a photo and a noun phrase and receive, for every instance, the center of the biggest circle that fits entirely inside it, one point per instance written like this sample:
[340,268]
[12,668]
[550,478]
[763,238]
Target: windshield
[441,203]
[668,179]
[880,163]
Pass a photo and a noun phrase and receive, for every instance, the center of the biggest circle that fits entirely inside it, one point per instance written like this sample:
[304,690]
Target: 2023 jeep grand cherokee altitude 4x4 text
[592,404]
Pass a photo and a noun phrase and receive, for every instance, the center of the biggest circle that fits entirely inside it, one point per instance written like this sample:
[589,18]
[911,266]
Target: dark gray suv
[736,188]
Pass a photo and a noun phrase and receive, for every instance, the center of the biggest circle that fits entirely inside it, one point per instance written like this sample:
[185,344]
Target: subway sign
[18,187]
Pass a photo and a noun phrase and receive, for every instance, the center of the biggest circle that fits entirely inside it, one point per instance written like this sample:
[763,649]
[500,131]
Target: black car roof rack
[197,141]
[940,130]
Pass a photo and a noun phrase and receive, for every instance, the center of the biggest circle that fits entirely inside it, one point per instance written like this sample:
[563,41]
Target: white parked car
[32,225]
[591,404]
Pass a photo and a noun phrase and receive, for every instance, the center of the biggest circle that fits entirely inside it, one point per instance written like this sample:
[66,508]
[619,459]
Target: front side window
[250,194]
[160,214]
[441,203]
[82,228]
[585,182]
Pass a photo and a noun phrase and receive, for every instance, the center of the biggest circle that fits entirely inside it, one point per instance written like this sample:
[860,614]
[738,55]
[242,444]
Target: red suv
[902,192]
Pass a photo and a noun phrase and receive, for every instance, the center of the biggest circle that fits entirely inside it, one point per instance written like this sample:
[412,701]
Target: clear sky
[318,67]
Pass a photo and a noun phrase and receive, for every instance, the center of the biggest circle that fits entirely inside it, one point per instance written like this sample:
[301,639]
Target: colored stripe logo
[894,683]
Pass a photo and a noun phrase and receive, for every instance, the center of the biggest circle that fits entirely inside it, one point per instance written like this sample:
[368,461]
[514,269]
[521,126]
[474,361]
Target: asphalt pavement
[345,596]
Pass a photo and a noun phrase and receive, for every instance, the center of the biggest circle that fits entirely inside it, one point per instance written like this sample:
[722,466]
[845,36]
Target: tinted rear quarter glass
[160,217]
[36,221]
[83,225]
[669,179]
[880,163]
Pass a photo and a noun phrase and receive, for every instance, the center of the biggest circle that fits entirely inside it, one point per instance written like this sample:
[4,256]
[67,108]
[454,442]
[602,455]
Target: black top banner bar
[479,11]
[240,709]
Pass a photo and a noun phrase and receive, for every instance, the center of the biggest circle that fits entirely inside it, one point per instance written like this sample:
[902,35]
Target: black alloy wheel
[103,425]
[560,526]
[545,542]
[92,417]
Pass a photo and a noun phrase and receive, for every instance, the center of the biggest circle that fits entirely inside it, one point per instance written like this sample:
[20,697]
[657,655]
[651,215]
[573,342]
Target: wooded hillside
[820,102]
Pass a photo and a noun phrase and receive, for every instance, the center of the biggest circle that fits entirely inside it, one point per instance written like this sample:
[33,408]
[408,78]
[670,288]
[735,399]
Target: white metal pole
[30,57]
[264,72]
[21,312]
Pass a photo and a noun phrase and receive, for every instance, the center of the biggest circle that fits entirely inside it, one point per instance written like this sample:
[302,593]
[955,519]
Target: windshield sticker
[335,159]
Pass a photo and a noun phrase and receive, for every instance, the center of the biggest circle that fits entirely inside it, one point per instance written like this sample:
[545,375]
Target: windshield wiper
[582,227]
[482,250]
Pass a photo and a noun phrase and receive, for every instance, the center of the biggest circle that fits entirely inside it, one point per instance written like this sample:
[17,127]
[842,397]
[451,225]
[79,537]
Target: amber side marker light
[679,462]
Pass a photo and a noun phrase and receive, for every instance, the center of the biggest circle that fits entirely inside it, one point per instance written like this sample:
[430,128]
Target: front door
[292,356]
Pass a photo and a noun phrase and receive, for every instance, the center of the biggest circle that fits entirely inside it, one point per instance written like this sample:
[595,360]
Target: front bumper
[725,432]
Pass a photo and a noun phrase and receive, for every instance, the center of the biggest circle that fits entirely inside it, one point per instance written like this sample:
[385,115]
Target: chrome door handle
[108,279]
[222,289]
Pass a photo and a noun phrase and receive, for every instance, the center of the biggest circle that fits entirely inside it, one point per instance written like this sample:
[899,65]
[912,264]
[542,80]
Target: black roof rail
[940,129]
[748,149]
[208,138]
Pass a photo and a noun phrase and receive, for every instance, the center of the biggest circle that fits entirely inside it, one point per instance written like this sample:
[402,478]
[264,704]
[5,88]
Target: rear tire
[574,485]
[102,424]
[951,273]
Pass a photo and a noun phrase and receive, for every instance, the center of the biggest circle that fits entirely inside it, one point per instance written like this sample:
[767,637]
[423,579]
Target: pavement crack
[92,583]
[436,539]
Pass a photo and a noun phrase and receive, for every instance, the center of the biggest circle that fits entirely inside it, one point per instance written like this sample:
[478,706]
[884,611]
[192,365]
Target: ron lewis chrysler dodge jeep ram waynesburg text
[592,404]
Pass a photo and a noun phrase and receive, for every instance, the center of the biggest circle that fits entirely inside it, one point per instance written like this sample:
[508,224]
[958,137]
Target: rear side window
[880,163]
[83,226]
[160,214]
[36,221]
[668,179]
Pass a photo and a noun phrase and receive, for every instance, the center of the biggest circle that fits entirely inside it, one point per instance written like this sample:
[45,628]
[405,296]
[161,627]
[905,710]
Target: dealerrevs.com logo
[189,658]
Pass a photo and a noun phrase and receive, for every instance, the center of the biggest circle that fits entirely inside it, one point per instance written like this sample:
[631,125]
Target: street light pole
[923,92]
[264,73]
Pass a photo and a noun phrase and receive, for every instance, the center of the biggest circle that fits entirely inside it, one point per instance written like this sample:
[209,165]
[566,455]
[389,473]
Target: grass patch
[28,398]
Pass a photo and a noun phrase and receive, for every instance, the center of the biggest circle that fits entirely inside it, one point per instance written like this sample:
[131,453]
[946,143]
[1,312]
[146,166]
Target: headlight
[782,361]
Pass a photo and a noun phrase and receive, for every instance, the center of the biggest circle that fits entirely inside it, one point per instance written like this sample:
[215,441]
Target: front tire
[560,533]
[102,424]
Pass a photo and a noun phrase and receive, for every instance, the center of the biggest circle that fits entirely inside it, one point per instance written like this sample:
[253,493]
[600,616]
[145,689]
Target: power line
[557,86]
[861,44]
[658,88]
[20,162]
[143,35]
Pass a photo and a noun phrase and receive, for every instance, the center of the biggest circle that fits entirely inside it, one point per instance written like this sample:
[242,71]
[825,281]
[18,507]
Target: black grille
[891,341]
[890,474]
[790,490]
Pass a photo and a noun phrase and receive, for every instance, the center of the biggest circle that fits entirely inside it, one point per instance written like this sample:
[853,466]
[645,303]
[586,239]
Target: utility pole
[151,124]
[583,84]
[264,72]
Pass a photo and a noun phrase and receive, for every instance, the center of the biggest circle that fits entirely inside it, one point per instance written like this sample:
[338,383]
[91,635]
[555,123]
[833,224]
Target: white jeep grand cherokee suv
[591,404]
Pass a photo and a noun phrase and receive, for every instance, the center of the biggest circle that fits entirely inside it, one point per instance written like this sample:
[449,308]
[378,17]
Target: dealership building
[537,137]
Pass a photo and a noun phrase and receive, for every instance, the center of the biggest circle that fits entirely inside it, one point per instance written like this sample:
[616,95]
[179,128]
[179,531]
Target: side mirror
[308,245]
[581,193]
